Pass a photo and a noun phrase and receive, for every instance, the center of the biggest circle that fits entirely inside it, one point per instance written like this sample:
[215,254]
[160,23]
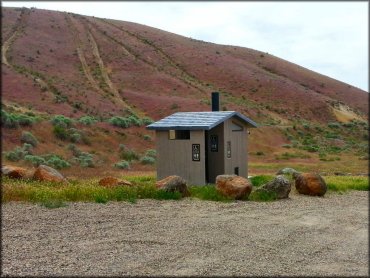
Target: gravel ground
[298,236]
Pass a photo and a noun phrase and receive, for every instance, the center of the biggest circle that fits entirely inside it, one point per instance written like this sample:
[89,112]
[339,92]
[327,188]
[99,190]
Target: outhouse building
[199,146]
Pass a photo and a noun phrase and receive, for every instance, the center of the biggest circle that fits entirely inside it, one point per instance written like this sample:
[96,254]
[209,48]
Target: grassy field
[56,195]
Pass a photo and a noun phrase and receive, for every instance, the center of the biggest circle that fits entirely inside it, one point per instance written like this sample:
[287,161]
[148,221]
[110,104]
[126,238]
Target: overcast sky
[328,37]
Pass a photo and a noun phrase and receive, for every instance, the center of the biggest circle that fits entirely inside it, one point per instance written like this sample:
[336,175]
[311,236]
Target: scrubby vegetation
[334,138]
[54,195]
[345,183]
[123,164]
[147,160]
[127,154]
[87,120]
[25,153]
[27,137]
[132,120]
[19,152]
[14,120]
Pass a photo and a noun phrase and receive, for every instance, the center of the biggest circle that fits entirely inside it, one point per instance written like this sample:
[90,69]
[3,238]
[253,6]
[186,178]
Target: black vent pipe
[215,101]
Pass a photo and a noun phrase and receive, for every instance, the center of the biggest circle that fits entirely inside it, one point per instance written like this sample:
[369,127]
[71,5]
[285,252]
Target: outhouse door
[214,153]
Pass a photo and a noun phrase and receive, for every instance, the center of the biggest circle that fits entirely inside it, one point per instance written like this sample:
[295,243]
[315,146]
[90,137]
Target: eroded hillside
[121,75]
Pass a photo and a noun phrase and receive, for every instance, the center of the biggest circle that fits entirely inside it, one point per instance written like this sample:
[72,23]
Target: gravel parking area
[299,236]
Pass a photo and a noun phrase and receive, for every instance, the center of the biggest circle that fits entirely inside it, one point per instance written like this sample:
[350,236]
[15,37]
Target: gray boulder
[286,171]
[172,184]
[280,186]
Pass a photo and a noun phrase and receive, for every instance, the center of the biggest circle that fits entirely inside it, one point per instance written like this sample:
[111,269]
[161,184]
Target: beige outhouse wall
[174,157]
[239,155]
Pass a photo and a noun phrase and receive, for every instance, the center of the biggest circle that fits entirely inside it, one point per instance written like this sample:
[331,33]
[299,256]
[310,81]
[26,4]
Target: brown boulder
[310,184]
[46,173]
[15,172]
[113,182]
[233,186]
[172,184]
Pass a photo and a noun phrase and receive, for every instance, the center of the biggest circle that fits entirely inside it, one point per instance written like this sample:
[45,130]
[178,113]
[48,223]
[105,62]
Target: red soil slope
[62,63]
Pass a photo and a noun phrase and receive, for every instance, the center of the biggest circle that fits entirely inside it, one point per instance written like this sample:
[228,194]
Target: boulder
[280,186]
[172,184]
[286,171]
[310,184]
[15,172]
[46,173]
[233,186]
[113,182]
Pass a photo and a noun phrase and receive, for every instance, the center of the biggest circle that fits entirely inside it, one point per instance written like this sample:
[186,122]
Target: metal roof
[197,120]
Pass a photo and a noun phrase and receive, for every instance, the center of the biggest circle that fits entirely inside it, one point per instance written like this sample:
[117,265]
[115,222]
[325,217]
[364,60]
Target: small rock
[112,182]
[15,172]
[46,173]
[280,186]
[233,186]
[287,170]
[310,184]
[172,184]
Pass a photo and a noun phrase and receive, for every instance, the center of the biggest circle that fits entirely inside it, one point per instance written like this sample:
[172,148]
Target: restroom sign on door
[214,143]
[196,152]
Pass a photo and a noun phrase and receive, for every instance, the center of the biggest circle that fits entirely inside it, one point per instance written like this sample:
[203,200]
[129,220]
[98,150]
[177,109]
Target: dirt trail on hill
[178,72]
[80,53]
[19,24]
[299,236]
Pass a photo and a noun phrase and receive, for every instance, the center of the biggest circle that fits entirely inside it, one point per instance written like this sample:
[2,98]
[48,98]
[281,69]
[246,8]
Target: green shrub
[35,160]
[60,132]
[262,196]
[62,121]
[120,121]
[56,162]
[261,180]
[306,126]
[19,152]
[147,160]
[330,135]
[53,203]
[146,121]
[259,153]
[25,120]
[27,137]
[27,148]
[147,137]
[207,192]
[334,125]
[8,120]
[75,137]
[164,195]
[75,151]
[12,120]
[123,164]
[151,153]
[127,154]
[134,120]
[86,160]
[87,120]
[311,148]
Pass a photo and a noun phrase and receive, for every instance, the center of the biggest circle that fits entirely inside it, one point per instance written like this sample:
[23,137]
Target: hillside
[56,63]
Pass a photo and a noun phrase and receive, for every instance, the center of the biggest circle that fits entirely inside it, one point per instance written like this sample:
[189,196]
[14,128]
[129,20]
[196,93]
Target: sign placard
[214,143]
[196,152]
[228,149]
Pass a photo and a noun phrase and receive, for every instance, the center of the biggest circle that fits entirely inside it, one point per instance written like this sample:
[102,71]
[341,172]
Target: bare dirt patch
[299,236]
